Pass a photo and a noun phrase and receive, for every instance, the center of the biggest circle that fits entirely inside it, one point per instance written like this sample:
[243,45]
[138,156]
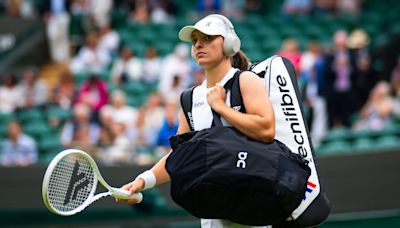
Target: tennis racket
[70,182]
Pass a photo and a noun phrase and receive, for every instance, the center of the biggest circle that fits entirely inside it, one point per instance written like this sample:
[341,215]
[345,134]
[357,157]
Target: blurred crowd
[340,85]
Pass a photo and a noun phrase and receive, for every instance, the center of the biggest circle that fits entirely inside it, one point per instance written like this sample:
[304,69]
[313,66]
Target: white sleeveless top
[201,110]
[202,119]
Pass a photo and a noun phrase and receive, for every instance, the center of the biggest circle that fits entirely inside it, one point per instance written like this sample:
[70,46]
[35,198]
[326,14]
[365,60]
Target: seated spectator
[350,7]
[324,6]
[180,57]
[296,7]
[377,112]
[63,94]
[151,66]
[290,50]
[126,68]
[119,111]
[176,89]
[100,11]
[143,138]
[10,94]
[395,82]
[121,150]
[168,129]
[163,11]
[205,7]
[91,57]
[80,122]
[34,89]
[140,11]
[18,149]
[93,92]
[233,8]
[109,39]
[154,112]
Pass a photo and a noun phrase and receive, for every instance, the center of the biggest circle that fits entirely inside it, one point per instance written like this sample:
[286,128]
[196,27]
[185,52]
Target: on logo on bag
[241,163]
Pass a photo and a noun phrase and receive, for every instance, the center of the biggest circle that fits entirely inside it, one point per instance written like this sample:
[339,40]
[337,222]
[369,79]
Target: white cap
[212,26]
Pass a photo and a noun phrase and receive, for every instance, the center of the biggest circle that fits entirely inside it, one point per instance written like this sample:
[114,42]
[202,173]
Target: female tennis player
[216,48]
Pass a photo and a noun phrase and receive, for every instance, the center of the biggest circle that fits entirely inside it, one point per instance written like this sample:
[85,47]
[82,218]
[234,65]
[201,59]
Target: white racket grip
[124,194]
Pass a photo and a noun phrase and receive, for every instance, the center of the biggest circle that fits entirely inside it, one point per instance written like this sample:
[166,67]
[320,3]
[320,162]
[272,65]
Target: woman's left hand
[216,96]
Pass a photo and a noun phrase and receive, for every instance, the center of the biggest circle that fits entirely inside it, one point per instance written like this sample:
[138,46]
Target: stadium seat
[388,142]
[58,112]
[338,134]
[30,115]
[363,144]
[37,129]
[334,147]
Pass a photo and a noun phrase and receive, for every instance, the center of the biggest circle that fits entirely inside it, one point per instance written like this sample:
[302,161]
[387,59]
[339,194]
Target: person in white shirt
[10,94]
[127,67]
[90,58]
[216,47]
[109,39]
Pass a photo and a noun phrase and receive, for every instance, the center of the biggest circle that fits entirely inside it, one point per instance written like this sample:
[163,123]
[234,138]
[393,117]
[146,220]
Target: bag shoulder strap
[236,98]
[186,103]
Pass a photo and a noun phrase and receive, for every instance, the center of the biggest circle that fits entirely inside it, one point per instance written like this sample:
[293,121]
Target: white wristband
[149,179]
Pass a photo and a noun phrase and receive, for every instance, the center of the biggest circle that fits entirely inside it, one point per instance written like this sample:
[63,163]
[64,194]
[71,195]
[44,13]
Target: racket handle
[124,194]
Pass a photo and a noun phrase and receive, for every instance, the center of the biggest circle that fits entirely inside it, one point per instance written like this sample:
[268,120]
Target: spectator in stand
[176,89]
[290,50]
[91,57]
[199,77]
[311,76]
[119,111]
[339,79]
[64,92]
[127,67]
[80,128]
[140,11]
[18,149]
[168,128]
[154,112]
[143,138]
[366,76]
[109,39]
[350,7]
[324,6]
[100,11]
[163,11]
[121,149]
[34,89]
[57,17]
[10,94]
[296,7]
[377,112]
[93,92]
[180,57]
[151,66]
[233,8]
[205,7]
[255,6]
[395,82]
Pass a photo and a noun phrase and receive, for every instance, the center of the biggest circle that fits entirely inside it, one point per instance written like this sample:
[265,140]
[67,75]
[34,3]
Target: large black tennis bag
[219,173]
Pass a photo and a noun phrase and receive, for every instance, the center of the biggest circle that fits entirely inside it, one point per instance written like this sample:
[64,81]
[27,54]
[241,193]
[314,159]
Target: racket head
[70,182]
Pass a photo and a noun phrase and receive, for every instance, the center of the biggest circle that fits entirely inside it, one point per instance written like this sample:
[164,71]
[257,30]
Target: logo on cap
[208,24]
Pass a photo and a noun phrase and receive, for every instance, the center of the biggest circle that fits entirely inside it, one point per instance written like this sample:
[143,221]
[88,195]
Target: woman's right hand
[133,187]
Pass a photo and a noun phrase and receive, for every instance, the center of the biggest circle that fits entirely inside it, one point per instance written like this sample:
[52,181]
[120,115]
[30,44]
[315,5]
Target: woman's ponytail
[240,61]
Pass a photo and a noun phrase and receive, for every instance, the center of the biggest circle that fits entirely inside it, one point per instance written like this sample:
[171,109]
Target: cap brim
[186,32]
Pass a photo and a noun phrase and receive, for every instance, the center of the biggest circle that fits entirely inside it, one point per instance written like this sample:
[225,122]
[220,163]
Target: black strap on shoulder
[233,85]
[186,103]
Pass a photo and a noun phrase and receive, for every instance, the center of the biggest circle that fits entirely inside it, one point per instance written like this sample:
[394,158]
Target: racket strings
[70,183]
